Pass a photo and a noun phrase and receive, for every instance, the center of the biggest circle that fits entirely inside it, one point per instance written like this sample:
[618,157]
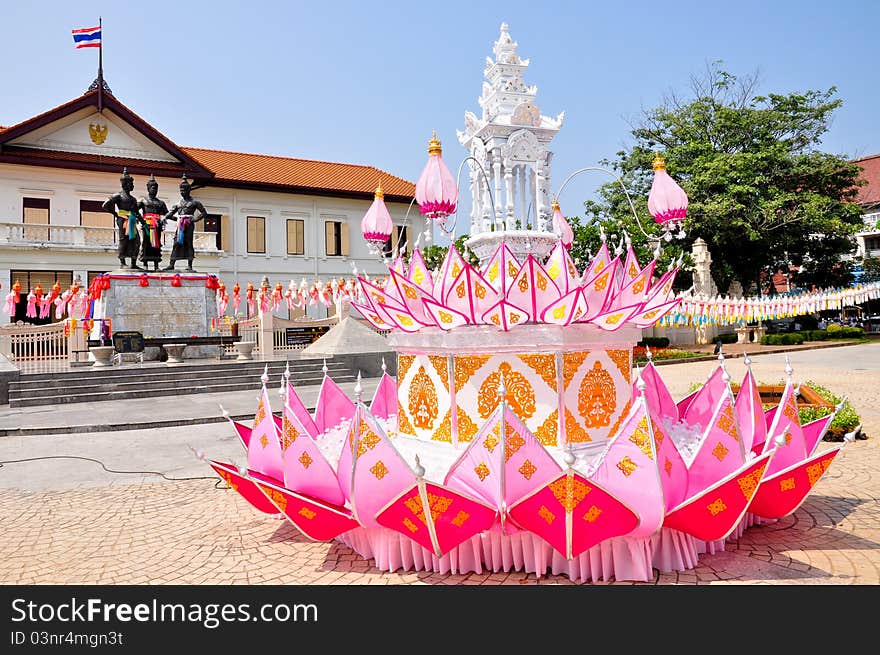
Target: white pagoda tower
[510,141]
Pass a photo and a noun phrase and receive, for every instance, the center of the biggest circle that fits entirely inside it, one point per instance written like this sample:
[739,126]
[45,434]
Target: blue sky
[367,82]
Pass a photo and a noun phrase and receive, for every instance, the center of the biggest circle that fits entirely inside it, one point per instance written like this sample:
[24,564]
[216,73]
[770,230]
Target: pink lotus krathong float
[516,436]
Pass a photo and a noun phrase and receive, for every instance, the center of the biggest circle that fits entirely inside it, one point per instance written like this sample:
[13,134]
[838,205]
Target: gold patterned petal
[716,507]
[403,424]
[379,469]
[482,471]
[467,429]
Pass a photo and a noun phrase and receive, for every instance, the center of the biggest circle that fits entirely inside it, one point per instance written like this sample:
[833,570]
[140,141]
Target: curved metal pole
[622,186]
[405,224]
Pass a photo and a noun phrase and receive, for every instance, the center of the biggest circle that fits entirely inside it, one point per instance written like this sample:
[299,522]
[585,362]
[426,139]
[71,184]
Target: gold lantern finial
[380,193]
[659,162]
[434,147]
[555,204]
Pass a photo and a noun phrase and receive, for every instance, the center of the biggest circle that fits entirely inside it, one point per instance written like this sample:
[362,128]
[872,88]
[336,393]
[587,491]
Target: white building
[280,217]
[868,240]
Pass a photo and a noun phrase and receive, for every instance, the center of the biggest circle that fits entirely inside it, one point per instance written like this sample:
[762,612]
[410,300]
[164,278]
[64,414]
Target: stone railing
[21,342]
[85,237]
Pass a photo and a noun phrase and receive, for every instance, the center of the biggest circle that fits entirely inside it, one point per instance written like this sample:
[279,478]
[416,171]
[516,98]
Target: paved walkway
[69,521]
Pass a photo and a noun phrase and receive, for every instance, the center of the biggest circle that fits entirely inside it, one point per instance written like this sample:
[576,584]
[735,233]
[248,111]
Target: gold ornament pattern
[412,527]
[621,360]
[748,483]
[523,283]
[445,317]
[543,365]
[667,466]
[633,271]
[573,430]
[520,396]
[459,290]
[264,441]
[379,469]
[438,505]
[527,470]
[460,518]
[639,286]
[493,271]
[403,424]
[368,439]
[307,513]
[410,292]
[423,400]
[592,514]
[490,442]
[623,414]
[467,429]
[641,438]
[547,515]
[479,290]
[601,282]
[444,431]
[288,433]
[403,364]
[511,270]
[482,471]
[571,362]
[726,422]
[597,397]
[227,477]
[720,451]
[815,472]
[790,411]
[514,443]
[441,365]
[787,485]
[569,491]
[548,433]
[276,497]
[715,508]
[305,460]
[627,466]
[260,415]
[541,281]
[465,367]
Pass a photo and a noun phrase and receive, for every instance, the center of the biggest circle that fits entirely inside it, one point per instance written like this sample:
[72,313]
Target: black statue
[124,208]
[153,211]
[184,212]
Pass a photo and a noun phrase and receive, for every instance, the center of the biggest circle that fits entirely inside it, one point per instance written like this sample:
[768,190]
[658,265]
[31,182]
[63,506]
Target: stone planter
[175,352]
[103,355]
[245,349]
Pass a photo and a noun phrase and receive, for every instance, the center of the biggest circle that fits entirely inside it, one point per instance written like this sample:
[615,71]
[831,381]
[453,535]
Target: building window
[256,234]
[399,238]
[872,243]
[35,211]
[29,281]
[295,236]
[214,223]
[336,238]
[92,215]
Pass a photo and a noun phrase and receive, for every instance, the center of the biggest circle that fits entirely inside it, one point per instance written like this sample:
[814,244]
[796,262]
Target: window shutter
[344,238]
[225,233]
[329,240]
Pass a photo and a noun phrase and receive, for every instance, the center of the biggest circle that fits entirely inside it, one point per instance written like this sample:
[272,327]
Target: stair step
[92,396]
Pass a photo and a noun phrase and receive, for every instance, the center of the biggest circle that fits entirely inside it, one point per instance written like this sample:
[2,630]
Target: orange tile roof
[306,175]
[870,193]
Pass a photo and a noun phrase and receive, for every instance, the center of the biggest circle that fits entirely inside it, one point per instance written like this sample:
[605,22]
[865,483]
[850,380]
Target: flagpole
[100,67]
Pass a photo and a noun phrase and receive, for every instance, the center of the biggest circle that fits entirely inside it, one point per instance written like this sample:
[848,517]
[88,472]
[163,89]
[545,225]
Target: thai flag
[87,37]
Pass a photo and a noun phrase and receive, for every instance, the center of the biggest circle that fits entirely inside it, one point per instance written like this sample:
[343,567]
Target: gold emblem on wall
[423,400]
[597,397]
[98,133]
[520,396]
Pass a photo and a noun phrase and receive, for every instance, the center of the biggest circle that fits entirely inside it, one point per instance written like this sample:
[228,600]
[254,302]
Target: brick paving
[192,532]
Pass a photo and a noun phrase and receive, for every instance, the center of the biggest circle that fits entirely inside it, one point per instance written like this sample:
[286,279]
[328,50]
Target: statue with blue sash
[184,213]
[124,207]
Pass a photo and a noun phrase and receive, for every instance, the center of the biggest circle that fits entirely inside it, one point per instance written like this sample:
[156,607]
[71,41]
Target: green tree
[760,191]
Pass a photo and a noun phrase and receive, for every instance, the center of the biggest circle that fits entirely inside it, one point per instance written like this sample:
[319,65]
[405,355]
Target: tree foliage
[761,192]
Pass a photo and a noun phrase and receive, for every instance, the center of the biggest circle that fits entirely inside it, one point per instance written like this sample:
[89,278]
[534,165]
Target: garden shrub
[792,339]
[728,337]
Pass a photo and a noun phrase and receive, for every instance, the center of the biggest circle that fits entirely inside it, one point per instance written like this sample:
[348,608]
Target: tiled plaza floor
[192,532]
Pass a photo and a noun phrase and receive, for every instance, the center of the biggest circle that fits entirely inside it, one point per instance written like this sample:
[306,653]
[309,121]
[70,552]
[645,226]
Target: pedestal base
[175,352]
[103,355]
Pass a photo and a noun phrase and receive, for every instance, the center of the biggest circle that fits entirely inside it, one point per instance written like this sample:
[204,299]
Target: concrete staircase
[114,383]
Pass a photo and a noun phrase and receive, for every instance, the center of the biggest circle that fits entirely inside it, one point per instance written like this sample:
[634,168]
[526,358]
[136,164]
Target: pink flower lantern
[376,223]
[667,201]
[561,226]
[436,192]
